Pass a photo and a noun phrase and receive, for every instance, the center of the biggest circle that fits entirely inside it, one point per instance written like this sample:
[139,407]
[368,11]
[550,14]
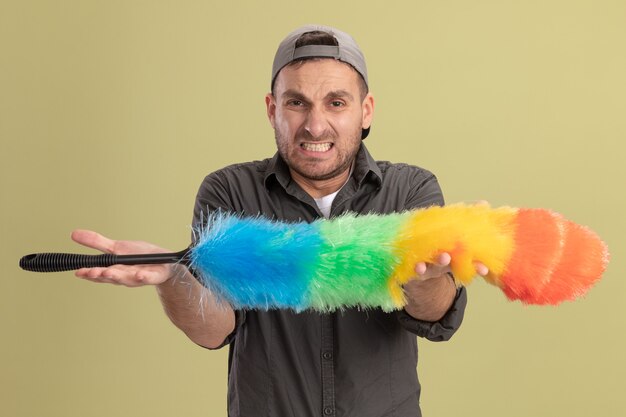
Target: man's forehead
[312,75]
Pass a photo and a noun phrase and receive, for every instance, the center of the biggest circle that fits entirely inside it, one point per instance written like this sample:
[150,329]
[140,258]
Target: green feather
[356,260]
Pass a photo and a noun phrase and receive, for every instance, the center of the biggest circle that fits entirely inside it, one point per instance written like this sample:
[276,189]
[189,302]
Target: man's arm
[195,311]
[187,303]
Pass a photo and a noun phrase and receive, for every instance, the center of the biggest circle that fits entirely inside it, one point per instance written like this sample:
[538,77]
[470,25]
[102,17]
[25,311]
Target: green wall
[112,112]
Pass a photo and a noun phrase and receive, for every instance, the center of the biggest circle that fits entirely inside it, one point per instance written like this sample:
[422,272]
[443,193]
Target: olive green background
[112,112]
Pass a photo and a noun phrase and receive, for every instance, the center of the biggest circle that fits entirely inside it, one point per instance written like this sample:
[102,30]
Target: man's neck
[321,188]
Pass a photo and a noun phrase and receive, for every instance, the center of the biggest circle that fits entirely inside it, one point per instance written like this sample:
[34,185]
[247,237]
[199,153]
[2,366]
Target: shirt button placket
[327,365]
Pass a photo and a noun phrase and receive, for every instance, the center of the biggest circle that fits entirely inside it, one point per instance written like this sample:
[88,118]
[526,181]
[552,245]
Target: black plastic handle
[57,262]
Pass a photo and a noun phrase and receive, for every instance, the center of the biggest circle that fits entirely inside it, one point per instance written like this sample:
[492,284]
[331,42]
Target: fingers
[442,265]
[420,268]
[430,270]
[129,276]
[443,259]
[93,240]
[481,269]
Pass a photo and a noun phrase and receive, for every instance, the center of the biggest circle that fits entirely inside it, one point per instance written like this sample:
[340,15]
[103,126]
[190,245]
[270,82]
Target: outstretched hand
[128,275]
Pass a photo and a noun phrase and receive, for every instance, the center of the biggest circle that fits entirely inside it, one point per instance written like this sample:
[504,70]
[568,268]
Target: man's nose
[316,123]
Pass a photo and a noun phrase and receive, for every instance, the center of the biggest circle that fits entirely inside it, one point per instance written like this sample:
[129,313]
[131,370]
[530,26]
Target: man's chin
[321,174]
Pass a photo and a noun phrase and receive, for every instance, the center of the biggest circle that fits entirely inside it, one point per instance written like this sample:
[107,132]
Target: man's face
[317,113]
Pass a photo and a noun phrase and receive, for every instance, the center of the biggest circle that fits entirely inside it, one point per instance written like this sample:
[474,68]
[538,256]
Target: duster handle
[57,262]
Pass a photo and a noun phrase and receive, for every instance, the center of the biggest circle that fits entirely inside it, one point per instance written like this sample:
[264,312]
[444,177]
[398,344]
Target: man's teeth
[316,147]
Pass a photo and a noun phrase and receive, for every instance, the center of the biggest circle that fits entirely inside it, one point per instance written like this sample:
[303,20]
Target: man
[348,363]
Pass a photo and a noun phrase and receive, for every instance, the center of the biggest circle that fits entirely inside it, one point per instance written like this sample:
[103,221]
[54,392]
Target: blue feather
[280,257]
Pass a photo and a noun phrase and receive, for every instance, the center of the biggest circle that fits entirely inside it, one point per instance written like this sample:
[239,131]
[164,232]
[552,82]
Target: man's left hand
[432,292]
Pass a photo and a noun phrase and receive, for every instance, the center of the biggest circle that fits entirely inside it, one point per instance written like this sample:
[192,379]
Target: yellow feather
[475,233]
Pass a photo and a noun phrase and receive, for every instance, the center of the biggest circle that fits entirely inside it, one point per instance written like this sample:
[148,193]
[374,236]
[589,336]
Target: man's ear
[368,111]
[270,105]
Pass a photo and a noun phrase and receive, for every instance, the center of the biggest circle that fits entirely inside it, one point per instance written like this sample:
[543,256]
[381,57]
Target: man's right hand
[128,275]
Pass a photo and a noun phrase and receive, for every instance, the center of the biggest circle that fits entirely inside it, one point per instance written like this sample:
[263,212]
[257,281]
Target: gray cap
[346,51]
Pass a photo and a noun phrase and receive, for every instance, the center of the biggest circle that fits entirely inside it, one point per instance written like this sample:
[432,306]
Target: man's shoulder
[388,168]
[239,169]
[252,166]
[233,187]
[410,185]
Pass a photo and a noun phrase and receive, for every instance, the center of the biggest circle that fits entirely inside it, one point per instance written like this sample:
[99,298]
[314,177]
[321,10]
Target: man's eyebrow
[340,94]
[294,94]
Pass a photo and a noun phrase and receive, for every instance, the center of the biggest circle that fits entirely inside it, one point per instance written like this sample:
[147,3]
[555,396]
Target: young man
[281,363]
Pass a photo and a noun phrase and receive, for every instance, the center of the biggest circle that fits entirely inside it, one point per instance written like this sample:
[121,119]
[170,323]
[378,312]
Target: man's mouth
[316,147]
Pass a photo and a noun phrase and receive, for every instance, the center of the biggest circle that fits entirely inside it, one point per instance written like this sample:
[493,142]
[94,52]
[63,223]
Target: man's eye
[336,103]
[294,103]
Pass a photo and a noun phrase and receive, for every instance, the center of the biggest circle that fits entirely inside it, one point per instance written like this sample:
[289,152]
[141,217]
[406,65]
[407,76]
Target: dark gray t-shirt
[352,363]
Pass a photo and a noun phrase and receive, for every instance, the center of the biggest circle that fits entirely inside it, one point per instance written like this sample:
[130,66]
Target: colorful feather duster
[533,255]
